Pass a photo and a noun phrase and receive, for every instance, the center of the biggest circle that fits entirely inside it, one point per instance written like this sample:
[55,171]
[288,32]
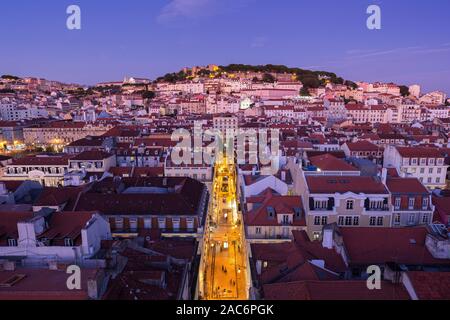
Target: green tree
[148,95]
[304,92]
[404,91]
[269,78]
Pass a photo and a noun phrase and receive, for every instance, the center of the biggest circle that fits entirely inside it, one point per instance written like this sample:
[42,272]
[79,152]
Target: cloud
[363,53]
[190,9]
[185,9]
[259,42]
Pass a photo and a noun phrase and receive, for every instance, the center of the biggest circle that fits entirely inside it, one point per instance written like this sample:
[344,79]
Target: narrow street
[225,265]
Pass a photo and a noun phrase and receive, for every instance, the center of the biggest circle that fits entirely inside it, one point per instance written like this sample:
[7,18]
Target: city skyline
[151,39]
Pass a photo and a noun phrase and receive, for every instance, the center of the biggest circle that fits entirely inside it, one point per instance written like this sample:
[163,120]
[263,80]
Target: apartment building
[68,237]
[61,133]
[274,217]
[411,202]
[352,201]
[424,163]
[47,170]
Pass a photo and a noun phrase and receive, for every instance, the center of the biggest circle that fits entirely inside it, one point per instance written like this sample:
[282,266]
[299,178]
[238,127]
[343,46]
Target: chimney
[328,235]
[9,266]
[384,173]
[3,190]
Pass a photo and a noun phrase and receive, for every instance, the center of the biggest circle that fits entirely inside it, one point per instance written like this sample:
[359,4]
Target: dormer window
[431,161]
[411,203]
[68,242]
[425,203]
[350,204]
[270,212]
[414,161]
[12,242]
[398,202]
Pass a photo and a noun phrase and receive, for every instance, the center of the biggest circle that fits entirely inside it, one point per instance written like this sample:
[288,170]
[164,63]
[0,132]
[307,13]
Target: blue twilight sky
[147,38]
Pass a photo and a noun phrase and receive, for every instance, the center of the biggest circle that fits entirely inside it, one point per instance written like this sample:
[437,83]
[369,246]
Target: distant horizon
[156,77]
[149,39]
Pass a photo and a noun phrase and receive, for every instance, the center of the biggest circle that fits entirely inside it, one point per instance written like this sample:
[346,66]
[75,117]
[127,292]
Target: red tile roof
[431,285]
[333,290]
[42,161]
[368,246]
[406,185]
[329,162]
[281,205]
[44,284]
[419,152]
[94,155]
[344,184]
[362,145]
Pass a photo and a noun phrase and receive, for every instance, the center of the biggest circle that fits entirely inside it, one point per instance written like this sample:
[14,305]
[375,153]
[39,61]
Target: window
[320,204]
[316,235]
[68,242]
[414,161]
[438,180]
[119,223]
[398,202]
[431,161]
[324,220]
[411,218]
[133,224]
[422,170]
[285,219]
[423,161]
[380,221]
[317,221]
[425,219]
[190,223]
[425,203]
[12,243]
[411,202]
[162,223]
[147,223]
[373,221]
[431,170]
[397,219]
[376,205]
[176,223]
[350,204]
[429,180]
[356,221]
[258,230]
[341,221]
[439,170]
[348,221]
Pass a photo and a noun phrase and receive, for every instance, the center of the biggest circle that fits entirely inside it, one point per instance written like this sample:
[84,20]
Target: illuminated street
[225,265]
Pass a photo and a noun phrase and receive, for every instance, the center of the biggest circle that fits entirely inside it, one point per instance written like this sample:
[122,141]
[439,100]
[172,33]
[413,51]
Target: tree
[148,95]
[304,92]
[404,91]
[9,77]
[268,78]
[351,84]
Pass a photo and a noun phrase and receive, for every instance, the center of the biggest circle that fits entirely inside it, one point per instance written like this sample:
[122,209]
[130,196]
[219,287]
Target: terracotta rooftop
[328,162]
[344,184]
[333,290]
[431,285]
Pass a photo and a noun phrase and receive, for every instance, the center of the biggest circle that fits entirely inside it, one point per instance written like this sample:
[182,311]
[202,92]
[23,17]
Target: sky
[148,38]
